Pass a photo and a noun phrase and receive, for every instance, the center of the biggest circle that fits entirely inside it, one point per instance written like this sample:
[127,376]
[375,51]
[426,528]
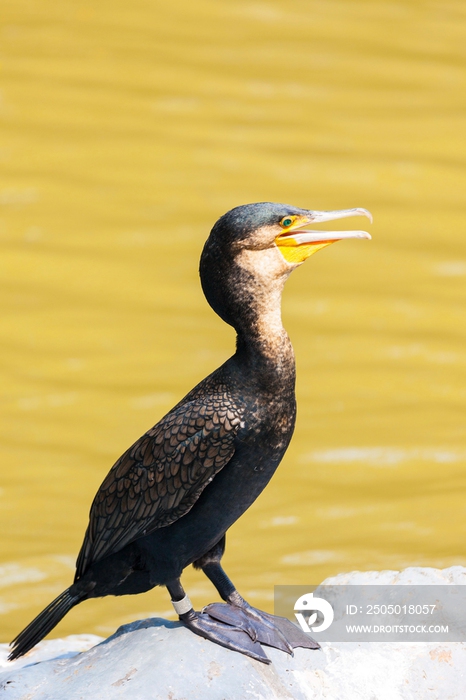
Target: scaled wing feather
[159,478]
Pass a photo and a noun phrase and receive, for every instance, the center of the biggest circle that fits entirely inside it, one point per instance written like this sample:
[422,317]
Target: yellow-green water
[127,129]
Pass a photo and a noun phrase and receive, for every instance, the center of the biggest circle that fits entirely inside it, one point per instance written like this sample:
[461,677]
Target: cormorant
[170,498]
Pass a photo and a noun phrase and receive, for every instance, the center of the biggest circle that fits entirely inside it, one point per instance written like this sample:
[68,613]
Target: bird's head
[256,246]
[266,225]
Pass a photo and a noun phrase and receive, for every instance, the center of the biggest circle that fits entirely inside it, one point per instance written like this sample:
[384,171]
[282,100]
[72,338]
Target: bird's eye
[287,221]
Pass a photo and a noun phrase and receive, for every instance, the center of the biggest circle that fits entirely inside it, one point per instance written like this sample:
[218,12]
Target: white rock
[159,660]
[455,575]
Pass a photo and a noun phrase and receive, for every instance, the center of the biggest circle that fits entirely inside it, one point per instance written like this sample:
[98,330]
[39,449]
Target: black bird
[170,498]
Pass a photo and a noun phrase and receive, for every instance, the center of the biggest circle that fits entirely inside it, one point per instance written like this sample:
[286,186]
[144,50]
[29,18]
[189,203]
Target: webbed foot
[274,631]
[241,637]
[245,628]
[235,624]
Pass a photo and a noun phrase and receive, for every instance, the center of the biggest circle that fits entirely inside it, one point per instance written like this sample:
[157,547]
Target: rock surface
[159,660]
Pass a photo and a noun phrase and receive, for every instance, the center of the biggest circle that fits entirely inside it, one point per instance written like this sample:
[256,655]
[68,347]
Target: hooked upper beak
[297,243]
[300,235]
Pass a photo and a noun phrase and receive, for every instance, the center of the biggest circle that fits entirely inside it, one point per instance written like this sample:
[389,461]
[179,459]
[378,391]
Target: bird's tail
[44,623]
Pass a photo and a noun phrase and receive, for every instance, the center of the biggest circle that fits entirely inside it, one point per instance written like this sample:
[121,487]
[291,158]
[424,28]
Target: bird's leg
[237,638]
[268,629]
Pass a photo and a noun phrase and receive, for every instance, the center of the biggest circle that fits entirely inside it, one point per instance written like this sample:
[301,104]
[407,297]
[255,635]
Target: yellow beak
[297,243]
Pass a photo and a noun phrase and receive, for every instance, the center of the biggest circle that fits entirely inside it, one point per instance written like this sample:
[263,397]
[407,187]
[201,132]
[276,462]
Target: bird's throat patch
[296,253]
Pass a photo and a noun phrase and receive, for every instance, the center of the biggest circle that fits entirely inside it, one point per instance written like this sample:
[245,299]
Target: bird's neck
[242,293]
[263,347]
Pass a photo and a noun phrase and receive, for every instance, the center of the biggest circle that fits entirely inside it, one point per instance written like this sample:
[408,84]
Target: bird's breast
[267,427]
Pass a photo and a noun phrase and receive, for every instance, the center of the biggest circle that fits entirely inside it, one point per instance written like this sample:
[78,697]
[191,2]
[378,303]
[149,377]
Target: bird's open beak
[297,243]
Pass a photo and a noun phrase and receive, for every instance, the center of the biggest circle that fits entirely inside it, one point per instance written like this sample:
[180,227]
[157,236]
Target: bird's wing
[159,478]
